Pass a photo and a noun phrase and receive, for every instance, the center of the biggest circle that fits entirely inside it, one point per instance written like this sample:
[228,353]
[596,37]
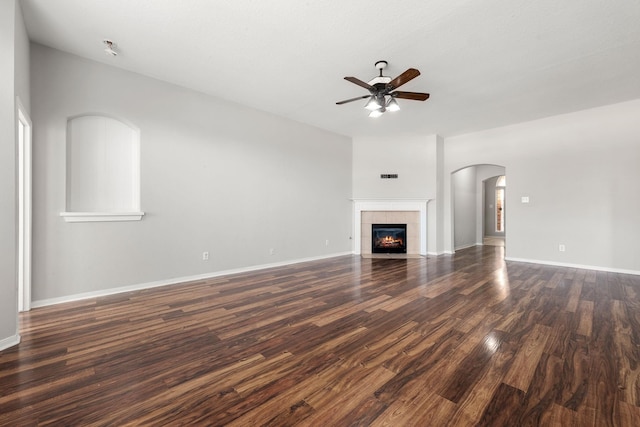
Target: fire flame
[389,241]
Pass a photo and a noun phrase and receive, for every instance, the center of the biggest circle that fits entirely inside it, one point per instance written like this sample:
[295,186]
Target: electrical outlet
[326,242]
[205,256]
[272,251]
[561,247]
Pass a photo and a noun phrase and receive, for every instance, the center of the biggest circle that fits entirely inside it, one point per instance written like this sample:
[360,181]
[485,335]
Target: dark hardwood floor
[452,340]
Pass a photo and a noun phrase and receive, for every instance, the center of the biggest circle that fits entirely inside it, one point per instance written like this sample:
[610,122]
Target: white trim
[101,216]
[360,205]
[25,194]
[175,281]
[9,341]
[581,266]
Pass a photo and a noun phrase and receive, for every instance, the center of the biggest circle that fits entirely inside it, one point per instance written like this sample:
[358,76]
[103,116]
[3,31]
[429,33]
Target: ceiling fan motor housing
[379,80]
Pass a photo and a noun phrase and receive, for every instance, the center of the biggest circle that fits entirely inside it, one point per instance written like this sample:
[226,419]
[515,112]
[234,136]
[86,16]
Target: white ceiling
[485,63]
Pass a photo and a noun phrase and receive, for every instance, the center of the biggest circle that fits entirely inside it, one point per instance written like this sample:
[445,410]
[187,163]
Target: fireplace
[389,238]
[412,212]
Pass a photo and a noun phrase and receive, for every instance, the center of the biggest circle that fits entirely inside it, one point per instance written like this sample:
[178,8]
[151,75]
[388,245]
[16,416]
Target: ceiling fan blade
[353,99]
[403,78]
[359,82]
[416,96]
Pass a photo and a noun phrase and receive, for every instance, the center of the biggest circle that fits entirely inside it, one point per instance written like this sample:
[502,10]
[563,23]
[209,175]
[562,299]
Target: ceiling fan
[382,91]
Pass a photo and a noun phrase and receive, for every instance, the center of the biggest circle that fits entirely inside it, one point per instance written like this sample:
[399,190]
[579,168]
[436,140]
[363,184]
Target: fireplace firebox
[389,238]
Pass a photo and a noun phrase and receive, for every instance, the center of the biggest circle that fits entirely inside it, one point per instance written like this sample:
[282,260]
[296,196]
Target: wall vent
[389,175]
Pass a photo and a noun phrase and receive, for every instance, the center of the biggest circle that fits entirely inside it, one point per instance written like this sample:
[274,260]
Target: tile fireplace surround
[410,212]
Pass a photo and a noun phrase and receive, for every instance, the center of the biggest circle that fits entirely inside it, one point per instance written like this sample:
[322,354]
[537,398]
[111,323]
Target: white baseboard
[9,341]
[173,281]
[581,266]
[470,245]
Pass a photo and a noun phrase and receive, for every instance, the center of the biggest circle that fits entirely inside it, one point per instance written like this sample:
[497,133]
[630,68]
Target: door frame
[24,143]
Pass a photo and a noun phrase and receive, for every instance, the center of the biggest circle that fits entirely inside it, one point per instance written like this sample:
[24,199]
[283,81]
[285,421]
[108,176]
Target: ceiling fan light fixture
[376,113]
[373,104]
[393,105]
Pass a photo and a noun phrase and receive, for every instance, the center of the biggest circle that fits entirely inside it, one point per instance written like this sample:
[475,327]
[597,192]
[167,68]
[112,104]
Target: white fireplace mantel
[360,205]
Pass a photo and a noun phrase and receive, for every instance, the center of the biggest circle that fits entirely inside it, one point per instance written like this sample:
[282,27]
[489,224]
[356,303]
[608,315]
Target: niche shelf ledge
[101,216]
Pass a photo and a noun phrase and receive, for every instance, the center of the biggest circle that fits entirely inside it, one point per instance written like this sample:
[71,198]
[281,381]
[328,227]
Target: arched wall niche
[102,169]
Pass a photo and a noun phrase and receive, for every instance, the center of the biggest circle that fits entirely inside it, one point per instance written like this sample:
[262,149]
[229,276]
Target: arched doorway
[468,203]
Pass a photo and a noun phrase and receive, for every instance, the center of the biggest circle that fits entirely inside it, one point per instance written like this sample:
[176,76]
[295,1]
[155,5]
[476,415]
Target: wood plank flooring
[457,340]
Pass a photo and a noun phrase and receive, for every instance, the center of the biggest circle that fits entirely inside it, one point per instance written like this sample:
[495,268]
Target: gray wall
[416,161]
[8,282]
[463,183]
[580,171]
[22,58]
[215,176]
[412,158]
[14,71]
